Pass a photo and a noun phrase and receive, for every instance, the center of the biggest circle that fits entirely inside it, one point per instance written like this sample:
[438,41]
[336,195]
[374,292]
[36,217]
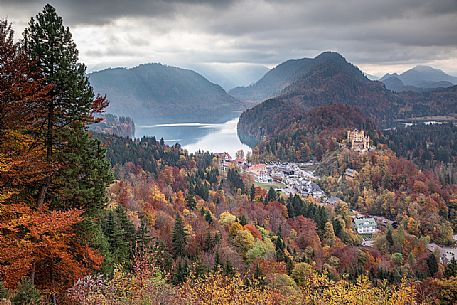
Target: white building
[365,225]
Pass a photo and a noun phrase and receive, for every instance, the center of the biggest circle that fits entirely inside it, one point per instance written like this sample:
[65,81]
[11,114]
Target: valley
[309,182]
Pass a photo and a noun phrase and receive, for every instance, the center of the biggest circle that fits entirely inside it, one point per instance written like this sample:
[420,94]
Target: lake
[220,137]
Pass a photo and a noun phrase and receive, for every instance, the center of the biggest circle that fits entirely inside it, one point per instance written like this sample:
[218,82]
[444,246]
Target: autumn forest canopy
[88,217]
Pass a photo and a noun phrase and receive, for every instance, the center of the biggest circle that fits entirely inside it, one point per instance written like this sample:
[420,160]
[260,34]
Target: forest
[311,134]
[112,124]
[100,219]
[430,146]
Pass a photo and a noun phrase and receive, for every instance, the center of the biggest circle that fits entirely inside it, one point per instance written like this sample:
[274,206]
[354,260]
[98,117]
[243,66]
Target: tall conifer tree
[179,238]
[80,171]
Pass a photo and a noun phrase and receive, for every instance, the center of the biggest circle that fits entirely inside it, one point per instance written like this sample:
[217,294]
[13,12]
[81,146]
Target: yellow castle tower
[358,141]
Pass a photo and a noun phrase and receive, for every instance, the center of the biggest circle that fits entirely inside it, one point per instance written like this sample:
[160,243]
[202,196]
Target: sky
[234,41]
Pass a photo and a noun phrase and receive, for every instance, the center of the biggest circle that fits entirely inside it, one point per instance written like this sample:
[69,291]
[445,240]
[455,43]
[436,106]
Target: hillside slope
[155,93]
[332,80]
[273,82]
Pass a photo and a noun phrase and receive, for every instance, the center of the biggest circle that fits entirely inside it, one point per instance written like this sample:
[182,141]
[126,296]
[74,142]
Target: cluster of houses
[307,188]
[297,180]
[226,162]
[260,173]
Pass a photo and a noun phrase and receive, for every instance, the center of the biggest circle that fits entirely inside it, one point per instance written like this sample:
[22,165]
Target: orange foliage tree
[34,241]
[43,244]
[22,95]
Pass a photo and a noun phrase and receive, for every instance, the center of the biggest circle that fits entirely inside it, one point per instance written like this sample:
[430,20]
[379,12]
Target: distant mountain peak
[387,75]
[284,75]
[330,55]
[332,64]
[420,78]
[423,68]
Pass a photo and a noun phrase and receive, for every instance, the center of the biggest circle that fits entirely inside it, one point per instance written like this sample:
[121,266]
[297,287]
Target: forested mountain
[155,93]
[300,136]
[334,80]
[394,83]
[419,78]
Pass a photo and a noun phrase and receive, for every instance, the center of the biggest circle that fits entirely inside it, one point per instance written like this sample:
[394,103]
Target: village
[290,178]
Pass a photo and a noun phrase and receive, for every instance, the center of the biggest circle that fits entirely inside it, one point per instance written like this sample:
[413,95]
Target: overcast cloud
[379,36]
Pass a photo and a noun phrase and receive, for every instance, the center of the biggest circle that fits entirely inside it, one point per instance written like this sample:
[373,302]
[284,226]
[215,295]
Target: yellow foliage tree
[217,289]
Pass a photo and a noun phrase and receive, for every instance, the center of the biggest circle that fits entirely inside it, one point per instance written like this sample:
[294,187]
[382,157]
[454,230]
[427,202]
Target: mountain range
[330,79]
[419,78]
[156,93]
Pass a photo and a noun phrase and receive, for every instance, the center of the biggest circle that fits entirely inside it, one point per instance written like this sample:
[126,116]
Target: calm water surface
[197,136]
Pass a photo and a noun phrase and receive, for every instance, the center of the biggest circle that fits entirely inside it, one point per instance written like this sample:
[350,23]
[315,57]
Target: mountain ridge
[335,81]
[419,78]
[157,93]
[272,82]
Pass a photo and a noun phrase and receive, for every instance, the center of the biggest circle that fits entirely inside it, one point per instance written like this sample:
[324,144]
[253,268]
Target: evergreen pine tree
[191,203]
[252,195]
[271,195]
[143,238]
[27,293]
[209,243]
[337,227]
[217,261]
[181,273]
[118,244]
[228,268]
[129,235]
[389,237]
[259,277]
[432,265]
[242,220]
[82,173]
[208,217]
[451,268]
[280,246]
[179,238]
[289,265]
[85,174]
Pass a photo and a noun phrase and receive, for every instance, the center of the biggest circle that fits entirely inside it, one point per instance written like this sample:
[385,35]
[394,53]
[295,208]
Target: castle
[358,141]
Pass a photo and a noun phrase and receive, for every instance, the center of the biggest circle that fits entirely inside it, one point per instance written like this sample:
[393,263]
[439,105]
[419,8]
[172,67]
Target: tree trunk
[49,144]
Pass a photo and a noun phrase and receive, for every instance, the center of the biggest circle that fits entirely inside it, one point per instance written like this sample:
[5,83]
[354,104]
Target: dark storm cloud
[78,12]
[366,32]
